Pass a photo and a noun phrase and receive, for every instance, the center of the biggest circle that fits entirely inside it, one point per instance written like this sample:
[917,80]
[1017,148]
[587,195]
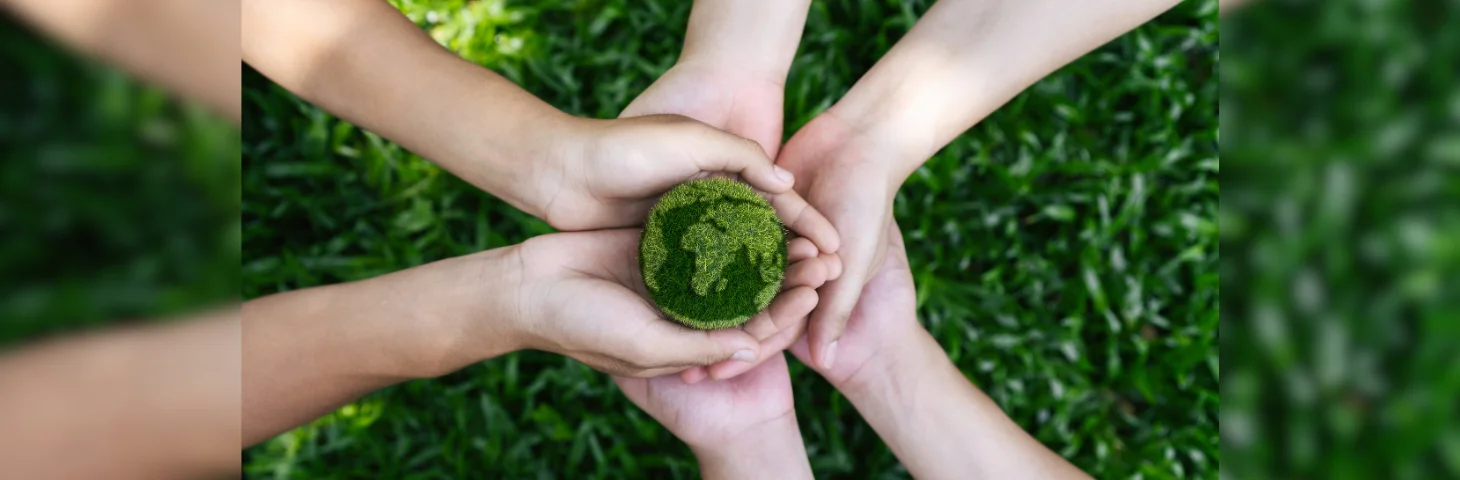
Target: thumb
[838,299]
[683,347]
[724,152]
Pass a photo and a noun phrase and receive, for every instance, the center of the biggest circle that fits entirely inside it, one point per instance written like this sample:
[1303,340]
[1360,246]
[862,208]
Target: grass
[118,204]
[691,256]
[1065,250]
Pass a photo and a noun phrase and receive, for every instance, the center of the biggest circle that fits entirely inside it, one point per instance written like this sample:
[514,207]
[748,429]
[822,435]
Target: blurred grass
[1341,290]
[1065,250]
[117,202]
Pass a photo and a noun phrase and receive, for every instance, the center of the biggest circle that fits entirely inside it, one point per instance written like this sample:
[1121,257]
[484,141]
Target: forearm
[187,46]
[966,58]
[157,401]
[758,36]
[309,351]
[771,450]
[367,63]
[939,425]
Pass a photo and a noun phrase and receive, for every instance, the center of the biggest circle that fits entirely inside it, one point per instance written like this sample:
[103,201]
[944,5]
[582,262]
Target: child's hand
[580,294]
[608,173]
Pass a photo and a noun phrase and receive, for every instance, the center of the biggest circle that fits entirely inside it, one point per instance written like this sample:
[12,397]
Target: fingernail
[746,356]
[784,174]
[829,358]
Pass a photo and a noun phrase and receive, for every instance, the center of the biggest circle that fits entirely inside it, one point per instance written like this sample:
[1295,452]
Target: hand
[581,295]
[744,427]
[608,173]
[848,176]
[883,325]
[747,103]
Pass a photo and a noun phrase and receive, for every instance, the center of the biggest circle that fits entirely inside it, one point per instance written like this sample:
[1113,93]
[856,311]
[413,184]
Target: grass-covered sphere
[713,253]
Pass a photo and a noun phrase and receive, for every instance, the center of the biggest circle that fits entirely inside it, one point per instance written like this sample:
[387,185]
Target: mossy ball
[712,253]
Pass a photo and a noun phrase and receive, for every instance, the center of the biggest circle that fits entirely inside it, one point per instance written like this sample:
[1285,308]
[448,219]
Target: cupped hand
[711,414]
[608,173]
[748,104]
[847,176]
[581,295]
[883,322]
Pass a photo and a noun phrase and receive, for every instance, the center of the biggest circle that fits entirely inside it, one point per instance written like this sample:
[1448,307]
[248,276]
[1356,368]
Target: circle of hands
[834,198]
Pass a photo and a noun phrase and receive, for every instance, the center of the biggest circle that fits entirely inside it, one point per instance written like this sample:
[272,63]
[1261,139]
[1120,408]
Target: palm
[709,412]
[846,178]
[886,311]
[743,105]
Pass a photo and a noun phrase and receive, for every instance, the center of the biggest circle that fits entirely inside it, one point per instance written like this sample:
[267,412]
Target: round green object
[712,253]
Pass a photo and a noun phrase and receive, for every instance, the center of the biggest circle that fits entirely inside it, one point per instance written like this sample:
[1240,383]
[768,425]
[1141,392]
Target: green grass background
[1065,250]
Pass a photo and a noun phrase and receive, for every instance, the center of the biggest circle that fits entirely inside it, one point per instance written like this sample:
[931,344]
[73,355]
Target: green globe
[712,254]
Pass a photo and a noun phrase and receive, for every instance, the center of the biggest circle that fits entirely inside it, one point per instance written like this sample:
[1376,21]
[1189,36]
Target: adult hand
[739,428]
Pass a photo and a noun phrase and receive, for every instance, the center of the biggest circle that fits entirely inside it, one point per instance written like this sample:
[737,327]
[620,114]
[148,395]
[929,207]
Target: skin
[960,62]
[750,416]
[579,294]
[575,173]
[900,380]
[155,401]
[188,47]
[731,75]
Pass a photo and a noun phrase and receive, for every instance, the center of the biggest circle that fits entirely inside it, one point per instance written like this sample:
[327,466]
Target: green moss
[713,253]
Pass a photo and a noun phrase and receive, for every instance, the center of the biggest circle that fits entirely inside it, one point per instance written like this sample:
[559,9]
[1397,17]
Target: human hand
[852,178]
[580,294]
[744,427]
[608,173]
[746,102]
[883,325]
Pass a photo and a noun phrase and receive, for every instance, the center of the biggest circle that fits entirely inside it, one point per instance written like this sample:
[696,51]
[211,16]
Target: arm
[966,58]
[941,426]
[156,401]
[364,61]
[187,46]
[759,37]
[898,377]
[307,352]
[962,60]
[770,450]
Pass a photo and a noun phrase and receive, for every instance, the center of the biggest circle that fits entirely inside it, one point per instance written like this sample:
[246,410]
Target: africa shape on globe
[712,254]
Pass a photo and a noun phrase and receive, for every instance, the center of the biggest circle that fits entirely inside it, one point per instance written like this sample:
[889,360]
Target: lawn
[1065,250]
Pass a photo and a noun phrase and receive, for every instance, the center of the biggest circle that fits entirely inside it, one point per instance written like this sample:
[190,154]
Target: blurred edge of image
[1340,219]
[118,201]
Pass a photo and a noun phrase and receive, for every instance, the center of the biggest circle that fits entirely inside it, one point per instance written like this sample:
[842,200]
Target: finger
[806,221]
[838,298]
[800,248]
[776,328]
[784,311]
[693,375]
[670,345]
[833,264]
[808,273]
[724,152]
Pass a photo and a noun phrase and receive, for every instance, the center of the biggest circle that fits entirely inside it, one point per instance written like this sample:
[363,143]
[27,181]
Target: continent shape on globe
[712,254]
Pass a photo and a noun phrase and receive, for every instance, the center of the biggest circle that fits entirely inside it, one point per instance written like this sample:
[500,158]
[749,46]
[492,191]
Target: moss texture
[713,253]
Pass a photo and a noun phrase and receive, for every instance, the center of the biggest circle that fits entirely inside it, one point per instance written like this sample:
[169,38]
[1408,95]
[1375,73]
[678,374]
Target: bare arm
[187,46]
[307,352]
[159,401]
[966,58]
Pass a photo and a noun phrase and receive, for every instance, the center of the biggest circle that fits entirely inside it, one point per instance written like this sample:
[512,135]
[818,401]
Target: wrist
[460,311]
[521,163]
[772,449]
[745,37]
